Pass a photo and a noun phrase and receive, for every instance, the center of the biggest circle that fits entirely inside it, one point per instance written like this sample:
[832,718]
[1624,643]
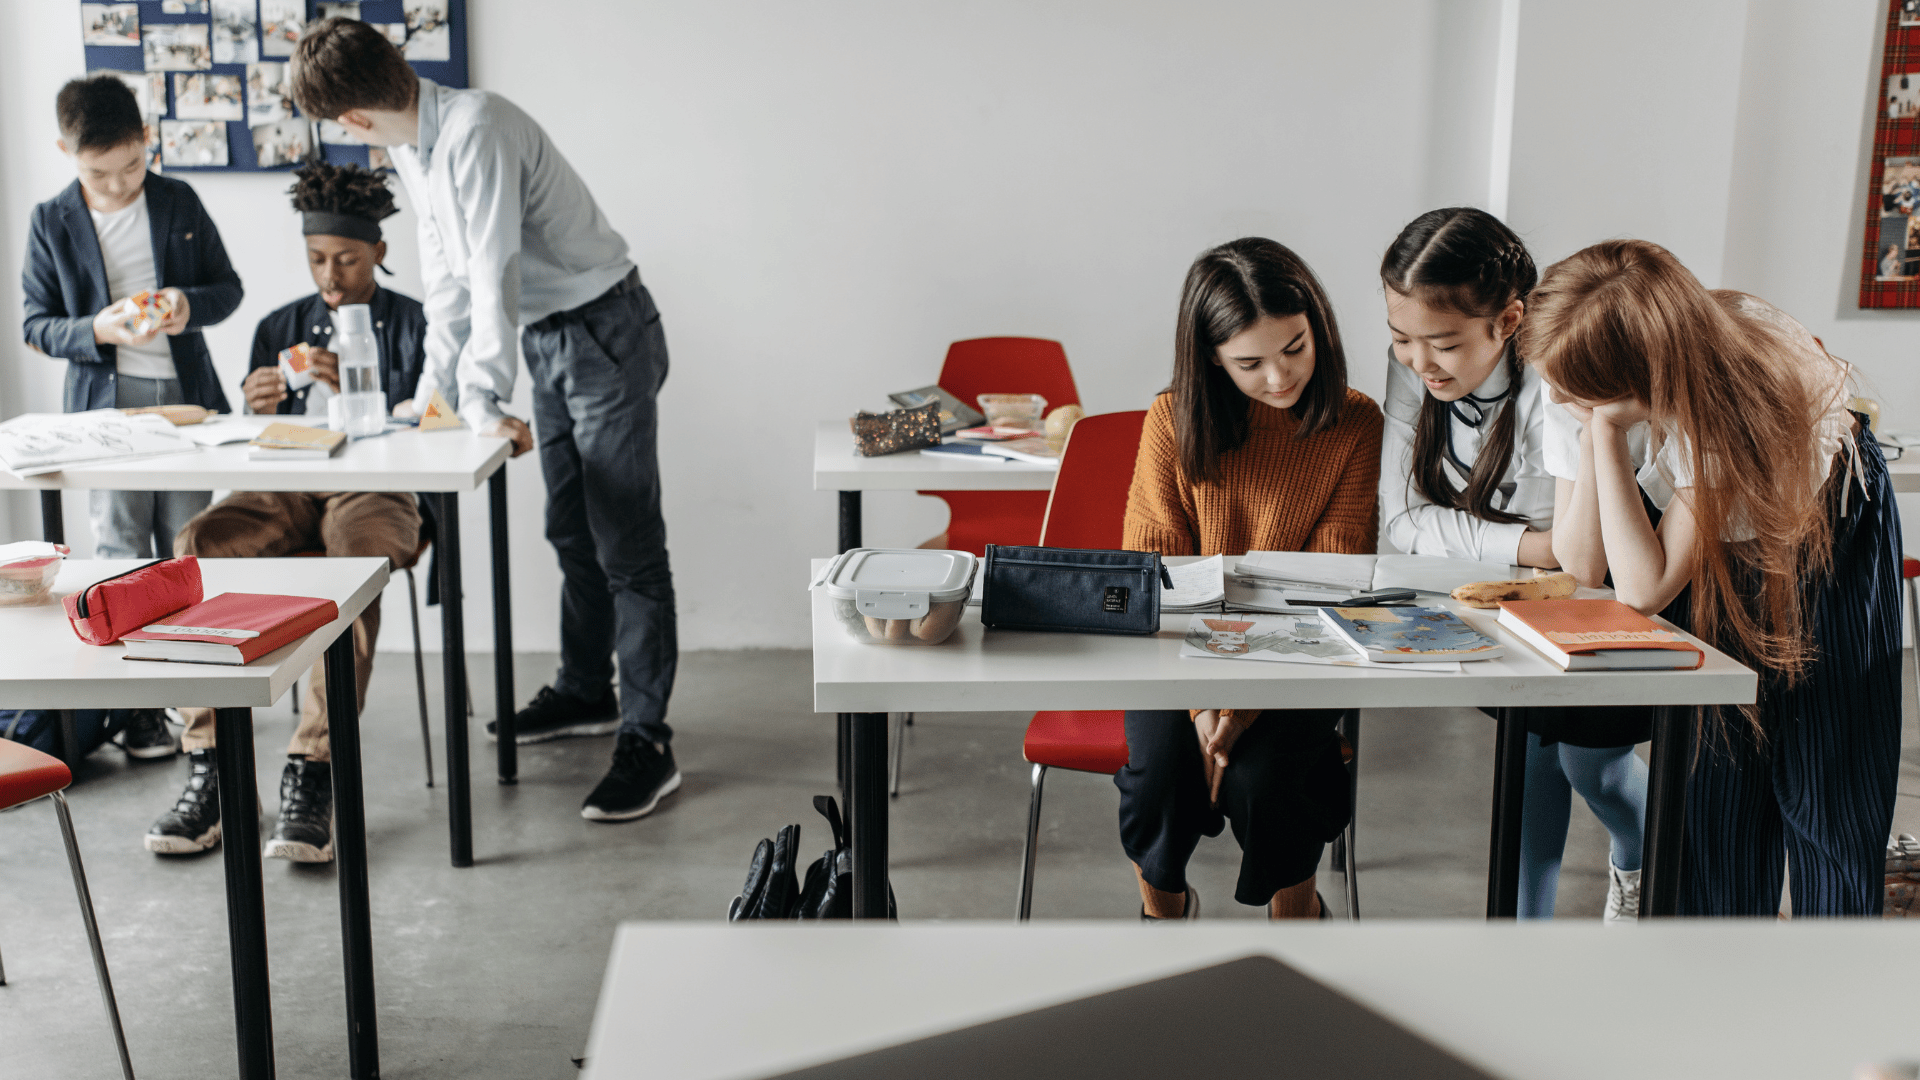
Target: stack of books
[291,442]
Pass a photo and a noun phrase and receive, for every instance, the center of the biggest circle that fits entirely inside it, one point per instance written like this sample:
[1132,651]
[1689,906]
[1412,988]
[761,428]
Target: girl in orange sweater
[1259,445]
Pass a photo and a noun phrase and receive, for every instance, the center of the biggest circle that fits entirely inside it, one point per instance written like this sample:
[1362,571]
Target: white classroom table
[44,665]
[1905,475]
[1728,1000]
[439,463]
[1008,671]
[837,468]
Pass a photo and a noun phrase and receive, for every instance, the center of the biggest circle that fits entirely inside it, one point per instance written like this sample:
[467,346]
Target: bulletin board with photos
[1890,270]
[213,76]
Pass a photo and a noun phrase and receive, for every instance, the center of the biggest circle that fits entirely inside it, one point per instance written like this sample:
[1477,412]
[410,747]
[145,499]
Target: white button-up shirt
[509,234]
[1419,527]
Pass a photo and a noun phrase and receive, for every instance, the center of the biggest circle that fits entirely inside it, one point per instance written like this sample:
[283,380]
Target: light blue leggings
[1614,783]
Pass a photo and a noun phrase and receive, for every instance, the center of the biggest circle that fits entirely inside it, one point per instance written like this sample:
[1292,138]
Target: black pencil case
[1072,590]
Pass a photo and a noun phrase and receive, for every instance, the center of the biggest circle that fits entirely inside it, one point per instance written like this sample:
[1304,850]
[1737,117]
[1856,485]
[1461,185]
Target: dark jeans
[596,372]
[1285,790]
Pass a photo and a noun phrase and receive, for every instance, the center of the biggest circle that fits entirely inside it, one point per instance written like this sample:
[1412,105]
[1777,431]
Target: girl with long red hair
[1779,544]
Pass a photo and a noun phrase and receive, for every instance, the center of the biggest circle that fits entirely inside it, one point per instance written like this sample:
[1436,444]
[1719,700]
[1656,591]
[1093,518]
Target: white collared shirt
[1416,525]
[509,234]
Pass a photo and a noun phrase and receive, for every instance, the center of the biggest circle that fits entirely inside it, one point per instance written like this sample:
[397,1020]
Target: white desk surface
[1008,671]
[837,468]
[43,665]
[1904,475]
[1733,999]
[452,459]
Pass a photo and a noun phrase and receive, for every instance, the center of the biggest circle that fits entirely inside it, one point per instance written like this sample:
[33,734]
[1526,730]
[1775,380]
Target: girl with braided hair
[1463,475]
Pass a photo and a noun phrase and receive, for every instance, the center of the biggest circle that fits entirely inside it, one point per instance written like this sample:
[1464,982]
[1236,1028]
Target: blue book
[1389,635]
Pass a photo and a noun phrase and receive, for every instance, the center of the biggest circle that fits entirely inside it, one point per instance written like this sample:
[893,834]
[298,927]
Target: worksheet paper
[35,443]
[1288,639]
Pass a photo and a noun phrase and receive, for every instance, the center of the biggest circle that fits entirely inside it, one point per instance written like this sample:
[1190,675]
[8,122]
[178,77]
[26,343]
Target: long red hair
[1727,375]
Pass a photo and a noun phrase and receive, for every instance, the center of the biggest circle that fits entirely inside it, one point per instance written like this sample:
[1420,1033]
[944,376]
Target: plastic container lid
[900,583]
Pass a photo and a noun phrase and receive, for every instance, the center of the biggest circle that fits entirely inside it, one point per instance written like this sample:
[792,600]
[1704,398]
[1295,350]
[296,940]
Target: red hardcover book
[1598,635]
[231,628]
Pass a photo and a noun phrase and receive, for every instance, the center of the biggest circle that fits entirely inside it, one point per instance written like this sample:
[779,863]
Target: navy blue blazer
[65,282]
[399,333]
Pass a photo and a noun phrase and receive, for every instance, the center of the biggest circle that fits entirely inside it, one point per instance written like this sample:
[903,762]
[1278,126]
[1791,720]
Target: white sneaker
[1623,895]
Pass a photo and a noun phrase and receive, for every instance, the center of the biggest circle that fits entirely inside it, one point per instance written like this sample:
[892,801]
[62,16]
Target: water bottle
[363,408]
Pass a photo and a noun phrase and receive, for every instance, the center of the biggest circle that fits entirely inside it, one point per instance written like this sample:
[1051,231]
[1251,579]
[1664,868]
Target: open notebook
[1318,577]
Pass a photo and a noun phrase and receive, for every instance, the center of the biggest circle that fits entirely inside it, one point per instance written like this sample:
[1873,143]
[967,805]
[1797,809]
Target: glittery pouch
[875,434]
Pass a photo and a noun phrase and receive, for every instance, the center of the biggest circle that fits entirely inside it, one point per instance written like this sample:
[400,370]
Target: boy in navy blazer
[115,232]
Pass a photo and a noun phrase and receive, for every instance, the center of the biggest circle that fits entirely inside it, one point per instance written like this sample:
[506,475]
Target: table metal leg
[1666,810]
[1509,799]
[867,814]
[849,520]
[246,902]
[507,752]
[53,524]
[1349,860]
[842,747]
[453,637]
[350,844]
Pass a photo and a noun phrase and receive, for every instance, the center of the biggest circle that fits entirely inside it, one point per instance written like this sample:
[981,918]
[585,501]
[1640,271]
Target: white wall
[823,196]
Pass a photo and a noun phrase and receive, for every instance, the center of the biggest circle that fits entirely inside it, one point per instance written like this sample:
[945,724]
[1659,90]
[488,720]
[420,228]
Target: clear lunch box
[899,596]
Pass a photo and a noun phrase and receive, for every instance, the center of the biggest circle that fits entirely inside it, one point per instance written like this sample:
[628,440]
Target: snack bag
[296,366]
[153,310]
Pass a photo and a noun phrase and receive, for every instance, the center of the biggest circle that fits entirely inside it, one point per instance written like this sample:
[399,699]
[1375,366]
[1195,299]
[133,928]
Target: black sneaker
[642,775]
[147,736]
[554,715]
[194,822]
[304,832]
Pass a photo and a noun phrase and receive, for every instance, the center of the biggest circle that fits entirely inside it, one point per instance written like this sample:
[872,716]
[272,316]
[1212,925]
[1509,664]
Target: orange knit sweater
[1275,493]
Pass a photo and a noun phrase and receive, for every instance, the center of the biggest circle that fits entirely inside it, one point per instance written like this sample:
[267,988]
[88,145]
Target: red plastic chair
[1088,504]
[27,774]
[1087,508]
[1910,569]
[1002,365]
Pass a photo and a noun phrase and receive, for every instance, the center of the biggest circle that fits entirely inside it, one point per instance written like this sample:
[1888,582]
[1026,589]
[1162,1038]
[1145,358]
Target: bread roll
[940,621]
[1488,594]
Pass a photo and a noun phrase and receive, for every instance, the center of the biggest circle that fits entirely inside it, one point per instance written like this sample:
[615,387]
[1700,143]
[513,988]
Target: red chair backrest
[1008,365]
[1090,494]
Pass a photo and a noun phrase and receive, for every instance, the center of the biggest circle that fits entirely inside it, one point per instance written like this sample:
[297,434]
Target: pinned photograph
[333,134]
[1900,185]
[1903,95]
[149,89]
[1910,12]
[284,143]
[153,142]
[205,96]
[110,24]
[429,36]
[183,7]
[1891,258]
[377,159]
[193,142]
[236,32]
[348,10]
[281,22]
[269,94]
[176,47]
[397,32]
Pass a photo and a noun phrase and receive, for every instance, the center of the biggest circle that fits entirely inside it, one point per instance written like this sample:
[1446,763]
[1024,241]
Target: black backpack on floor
[770,891]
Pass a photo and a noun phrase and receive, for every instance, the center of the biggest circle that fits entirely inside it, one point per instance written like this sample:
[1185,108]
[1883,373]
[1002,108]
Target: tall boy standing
[511,242]
[115,232]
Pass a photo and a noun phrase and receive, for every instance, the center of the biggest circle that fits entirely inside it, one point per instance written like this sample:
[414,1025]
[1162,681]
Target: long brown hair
[1625,318]
[1466,261]
[1227,290]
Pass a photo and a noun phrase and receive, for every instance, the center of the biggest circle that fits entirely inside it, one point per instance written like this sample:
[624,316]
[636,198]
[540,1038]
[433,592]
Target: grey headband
[327,223]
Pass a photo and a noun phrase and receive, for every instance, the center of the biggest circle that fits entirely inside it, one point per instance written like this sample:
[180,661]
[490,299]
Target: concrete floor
[494,971]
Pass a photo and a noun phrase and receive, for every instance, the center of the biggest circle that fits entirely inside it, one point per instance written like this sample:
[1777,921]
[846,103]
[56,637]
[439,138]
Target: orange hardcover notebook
[1598,635]
[231,628]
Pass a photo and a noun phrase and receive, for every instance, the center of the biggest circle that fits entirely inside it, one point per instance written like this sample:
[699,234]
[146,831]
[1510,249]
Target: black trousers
[596,371]
[1285,791]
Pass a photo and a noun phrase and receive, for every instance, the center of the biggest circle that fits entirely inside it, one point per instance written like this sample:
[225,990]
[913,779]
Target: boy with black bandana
[341,209]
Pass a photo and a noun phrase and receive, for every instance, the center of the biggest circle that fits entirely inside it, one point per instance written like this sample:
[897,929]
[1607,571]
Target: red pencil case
[111,607]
